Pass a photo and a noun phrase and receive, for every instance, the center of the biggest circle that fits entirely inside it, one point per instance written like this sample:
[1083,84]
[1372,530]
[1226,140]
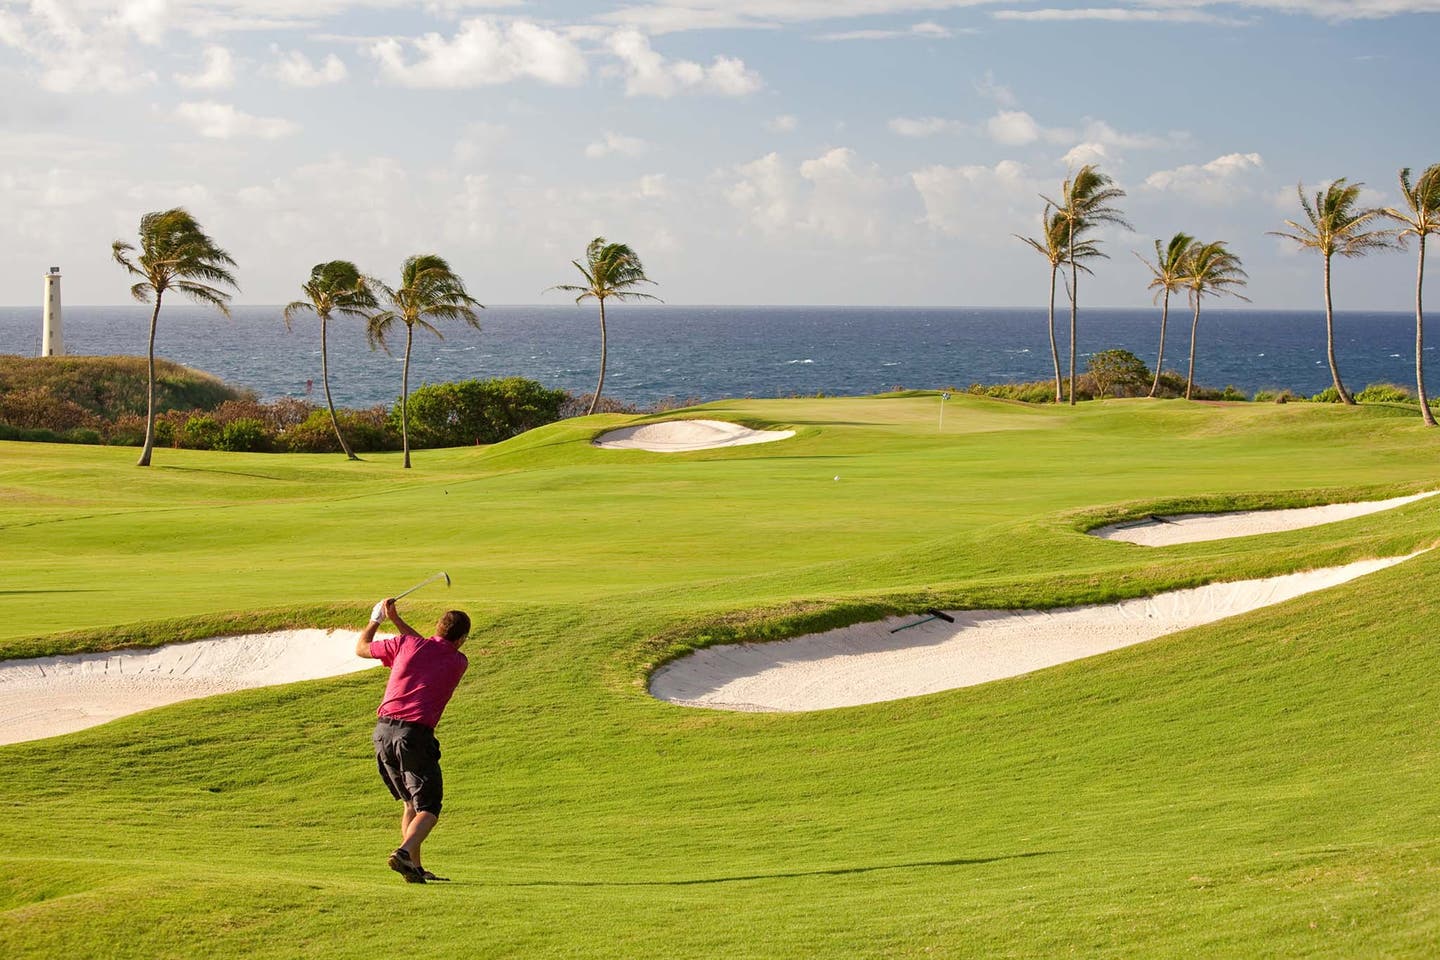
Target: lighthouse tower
[52,341]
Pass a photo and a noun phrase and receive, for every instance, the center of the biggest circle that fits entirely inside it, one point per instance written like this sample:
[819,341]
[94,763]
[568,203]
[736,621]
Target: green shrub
[1118,372]
[1385,393]
[1328,395]
[200,433]
[1232,392]
[365,431]
[477,411]
[244,435]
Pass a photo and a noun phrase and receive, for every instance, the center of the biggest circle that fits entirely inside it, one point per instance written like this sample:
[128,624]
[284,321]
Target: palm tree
[334,287]
[1054,249]
[1335,226]
[1423,198]
[429,290]
[1085,203]
[1167,277]
[1209,271]
[174,254]
[610,270]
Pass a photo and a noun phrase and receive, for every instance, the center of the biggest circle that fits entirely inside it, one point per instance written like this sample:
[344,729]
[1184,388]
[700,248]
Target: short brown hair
[453,626]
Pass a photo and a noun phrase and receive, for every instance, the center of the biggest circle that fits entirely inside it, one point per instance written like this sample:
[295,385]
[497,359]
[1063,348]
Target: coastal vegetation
[334,287]
[1335,223]
[174,254]
[429,291]
[1086,203]
[1210,271]
[1168,274]
[611,271]
[1419,220]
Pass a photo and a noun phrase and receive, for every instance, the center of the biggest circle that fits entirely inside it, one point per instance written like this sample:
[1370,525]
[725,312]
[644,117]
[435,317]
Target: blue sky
[786,151]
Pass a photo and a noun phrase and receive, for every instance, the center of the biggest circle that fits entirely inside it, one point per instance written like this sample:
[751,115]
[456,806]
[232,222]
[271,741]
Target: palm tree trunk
[1160,358]
[325,379]
[405,396]
[1074,305]
[595,400]
[1330,342]
[1054,350]
[1420,339]
[144,460]
[1194,327]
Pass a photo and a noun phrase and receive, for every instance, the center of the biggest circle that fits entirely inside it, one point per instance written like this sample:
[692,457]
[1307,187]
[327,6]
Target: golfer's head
[453,626]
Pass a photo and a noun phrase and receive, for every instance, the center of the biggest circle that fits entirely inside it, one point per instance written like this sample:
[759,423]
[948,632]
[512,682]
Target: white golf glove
[377,613]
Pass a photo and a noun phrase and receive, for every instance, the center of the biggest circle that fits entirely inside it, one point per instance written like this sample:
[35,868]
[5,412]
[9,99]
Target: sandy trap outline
[1168,530]
[866,663]
[49,696]
[683,436]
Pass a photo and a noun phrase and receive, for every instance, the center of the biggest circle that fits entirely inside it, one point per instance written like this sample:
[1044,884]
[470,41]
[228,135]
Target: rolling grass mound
[113,386]
[1263,786]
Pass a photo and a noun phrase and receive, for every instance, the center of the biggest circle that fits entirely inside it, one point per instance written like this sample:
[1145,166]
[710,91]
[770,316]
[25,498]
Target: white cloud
[648,73]
[73,57]
[785,123]
[1120,15]
[834,196]
[483,53]
[296,70]
[922,31]
[1221,180]
[218,72]
[1013,128]
[222,121]
[975,201]
[667,17]
[1087,153]
[146,19]
[615,143]
[991,89]
[920,126]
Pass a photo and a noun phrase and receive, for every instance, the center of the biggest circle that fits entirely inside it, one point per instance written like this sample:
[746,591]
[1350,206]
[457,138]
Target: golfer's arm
[362,645]
[405,629]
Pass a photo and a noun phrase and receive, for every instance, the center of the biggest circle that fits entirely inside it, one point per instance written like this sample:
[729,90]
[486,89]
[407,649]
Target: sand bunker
[1195,527]
[53,695]
[678,436]
[866,663]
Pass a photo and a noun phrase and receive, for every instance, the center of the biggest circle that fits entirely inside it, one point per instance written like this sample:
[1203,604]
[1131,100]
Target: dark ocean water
[715,352]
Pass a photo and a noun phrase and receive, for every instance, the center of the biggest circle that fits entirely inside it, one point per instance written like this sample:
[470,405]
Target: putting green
[1262,785]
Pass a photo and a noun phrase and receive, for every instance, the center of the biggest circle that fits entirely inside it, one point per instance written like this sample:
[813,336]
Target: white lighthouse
[52,341]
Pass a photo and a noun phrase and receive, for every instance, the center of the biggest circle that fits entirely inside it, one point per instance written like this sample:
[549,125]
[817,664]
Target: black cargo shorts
[408,756]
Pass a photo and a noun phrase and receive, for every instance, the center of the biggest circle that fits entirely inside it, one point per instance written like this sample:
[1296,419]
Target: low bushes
[476,411]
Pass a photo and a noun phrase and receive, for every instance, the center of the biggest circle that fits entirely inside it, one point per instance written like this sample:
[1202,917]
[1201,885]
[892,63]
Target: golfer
[423,676]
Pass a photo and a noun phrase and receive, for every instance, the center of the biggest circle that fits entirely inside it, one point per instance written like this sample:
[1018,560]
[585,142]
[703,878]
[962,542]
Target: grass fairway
[1265,786]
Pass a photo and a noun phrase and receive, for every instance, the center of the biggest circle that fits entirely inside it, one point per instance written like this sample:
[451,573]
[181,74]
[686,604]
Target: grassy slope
[1259,787]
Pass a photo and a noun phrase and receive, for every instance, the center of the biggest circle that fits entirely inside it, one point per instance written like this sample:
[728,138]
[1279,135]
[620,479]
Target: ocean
[713,352]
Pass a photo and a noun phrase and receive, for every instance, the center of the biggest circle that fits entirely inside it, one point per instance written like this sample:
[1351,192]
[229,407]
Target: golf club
[934,615]
[442,575]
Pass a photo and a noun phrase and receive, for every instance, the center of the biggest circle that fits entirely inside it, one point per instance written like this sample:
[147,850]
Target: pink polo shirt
[424,673]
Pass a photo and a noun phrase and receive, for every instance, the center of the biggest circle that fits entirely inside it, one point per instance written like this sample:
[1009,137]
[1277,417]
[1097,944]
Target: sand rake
[933,615]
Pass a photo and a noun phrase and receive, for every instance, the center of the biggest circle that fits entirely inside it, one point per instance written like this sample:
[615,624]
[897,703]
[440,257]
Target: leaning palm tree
[429,290]
[1054,248]
[1209,271]
[1422,219]
[610,270]
[334,287]
[1167,276]
[175,254]
[1086,202]
[1335,225]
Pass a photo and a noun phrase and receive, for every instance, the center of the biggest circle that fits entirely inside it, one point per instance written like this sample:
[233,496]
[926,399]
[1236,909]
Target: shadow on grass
[833,872]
